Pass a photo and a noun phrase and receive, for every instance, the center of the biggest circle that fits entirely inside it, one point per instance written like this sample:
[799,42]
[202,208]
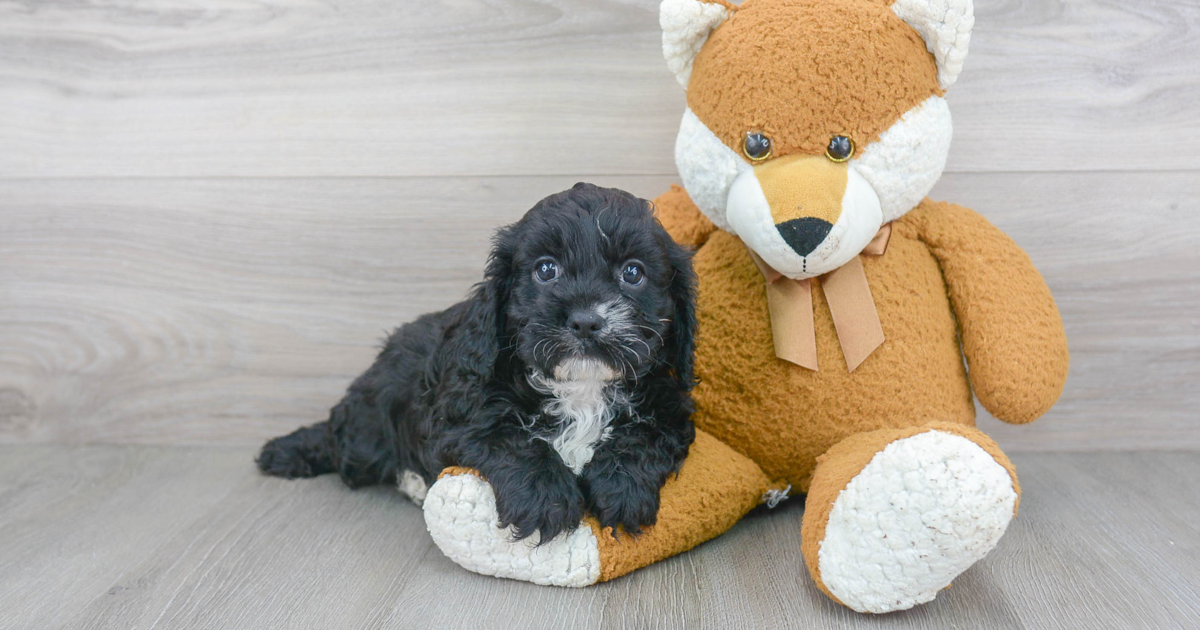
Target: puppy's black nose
[804,235]
[584,323]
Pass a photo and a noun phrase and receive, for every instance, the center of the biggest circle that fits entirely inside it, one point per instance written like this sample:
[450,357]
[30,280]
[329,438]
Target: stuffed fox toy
[836,304]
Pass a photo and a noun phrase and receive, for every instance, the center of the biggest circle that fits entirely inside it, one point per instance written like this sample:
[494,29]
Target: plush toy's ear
[685,26]
[945,25]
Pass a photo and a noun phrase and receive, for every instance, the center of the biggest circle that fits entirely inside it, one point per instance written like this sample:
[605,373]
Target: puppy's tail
[307,452]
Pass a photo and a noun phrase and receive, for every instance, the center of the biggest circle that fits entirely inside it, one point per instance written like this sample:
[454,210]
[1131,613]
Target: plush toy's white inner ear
[685,26]
[945,25]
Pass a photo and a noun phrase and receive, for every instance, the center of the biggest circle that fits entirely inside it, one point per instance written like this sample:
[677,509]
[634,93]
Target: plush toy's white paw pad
[460,513]
[920,513]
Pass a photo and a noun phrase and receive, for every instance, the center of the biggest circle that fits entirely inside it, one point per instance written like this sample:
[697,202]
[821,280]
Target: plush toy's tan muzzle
[805,195]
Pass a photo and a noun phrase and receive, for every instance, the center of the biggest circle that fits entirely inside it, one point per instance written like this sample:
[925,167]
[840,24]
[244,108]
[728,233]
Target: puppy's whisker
[656,333]
[538,345]
[643,342]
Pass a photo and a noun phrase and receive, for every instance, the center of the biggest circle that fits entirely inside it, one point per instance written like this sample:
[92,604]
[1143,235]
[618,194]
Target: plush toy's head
[810,123]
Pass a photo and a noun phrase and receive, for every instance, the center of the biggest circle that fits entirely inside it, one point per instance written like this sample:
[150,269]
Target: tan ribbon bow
[850,303]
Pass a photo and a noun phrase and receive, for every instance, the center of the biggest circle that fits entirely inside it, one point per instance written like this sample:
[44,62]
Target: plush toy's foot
[715,488]
[894,515]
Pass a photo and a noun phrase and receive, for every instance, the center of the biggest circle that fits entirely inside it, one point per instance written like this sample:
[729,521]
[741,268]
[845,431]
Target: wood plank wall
[211,212]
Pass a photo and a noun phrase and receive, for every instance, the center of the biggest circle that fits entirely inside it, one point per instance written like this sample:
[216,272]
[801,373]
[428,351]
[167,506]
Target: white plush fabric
[750,218]
[908,159]
[860,221]
[945,25]
[460,513]
[921,512]
[685,26]
[900,168]
[707,167]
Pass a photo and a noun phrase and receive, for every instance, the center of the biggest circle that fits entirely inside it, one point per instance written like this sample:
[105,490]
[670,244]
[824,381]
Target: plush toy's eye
[840,149]
[633,274]
[545,270]
[756,146]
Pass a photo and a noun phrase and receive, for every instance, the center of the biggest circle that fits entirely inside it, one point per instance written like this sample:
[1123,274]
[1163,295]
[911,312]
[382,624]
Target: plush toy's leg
[894,515]
[715,488]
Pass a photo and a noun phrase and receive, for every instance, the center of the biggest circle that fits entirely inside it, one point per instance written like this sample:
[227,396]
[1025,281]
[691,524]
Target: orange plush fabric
[1011,329]
[679,216]
[716,487]
[759,73]
[783,416]
[945,268]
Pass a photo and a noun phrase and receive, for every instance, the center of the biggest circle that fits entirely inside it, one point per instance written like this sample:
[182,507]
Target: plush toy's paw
[460,512]
[923,510]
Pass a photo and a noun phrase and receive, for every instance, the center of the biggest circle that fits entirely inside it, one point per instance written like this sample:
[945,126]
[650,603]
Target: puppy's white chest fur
[582,403]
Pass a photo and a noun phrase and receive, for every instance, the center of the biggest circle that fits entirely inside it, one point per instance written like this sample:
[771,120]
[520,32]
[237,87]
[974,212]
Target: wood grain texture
[214,311]
[229,311]
[1119,253]
[181,538]
[525,87]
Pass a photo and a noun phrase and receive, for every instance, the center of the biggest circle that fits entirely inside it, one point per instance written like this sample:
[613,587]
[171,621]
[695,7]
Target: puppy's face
[597,288]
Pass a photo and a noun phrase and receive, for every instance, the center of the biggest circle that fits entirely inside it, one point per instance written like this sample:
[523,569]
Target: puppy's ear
[682,344]
[498,278]
[481,329]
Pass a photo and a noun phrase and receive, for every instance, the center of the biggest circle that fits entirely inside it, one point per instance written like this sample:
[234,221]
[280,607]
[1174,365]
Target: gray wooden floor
[175,537]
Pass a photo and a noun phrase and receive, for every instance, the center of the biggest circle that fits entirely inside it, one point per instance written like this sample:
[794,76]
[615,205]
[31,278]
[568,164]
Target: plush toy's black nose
[584,323]
[804,235]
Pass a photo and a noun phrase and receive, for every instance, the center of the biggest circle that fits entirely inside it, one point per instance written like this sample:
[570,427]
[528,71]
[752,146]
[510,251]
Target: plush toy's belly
[784,416]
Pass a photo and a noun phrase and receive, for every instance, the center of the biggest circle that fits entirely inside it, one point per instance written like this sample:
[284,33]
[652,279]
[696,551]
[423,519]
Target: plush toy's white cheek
[707,167]
[749,217]
[907,159]
[860,221]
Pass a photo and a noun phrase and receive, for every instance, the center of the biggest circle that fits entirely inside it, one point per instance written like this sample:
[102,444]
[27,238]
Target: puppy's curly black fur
[584,322]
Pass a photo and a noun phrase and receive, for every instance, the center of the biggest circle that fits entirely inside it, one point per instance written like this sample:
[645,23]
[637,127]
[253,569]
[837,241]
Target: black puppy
[564,378]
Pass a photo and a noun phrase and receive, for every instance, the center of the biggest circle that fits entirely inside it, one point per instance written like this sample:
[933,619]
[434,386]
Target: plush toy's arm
[682,218]
[1012,333]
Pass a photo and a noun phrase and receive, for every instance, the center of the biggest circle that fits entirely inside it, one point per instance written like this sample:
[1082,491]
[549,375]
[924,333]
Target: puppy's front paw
[620,502]
[546,501]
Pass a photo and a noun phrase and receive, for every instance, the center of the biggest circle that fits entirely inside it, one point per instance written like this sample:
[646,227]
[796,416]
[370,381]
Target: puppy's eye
[633,274]
[756,146]
[545,270]
[840,149]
